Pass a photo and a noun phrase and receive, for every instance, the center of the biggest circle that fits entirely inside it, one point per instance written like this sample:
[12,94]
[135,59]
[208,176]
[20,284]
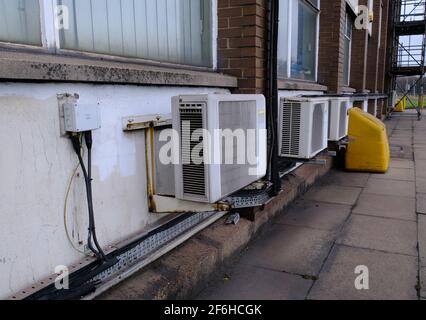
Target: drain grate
[127,257]
[151,244]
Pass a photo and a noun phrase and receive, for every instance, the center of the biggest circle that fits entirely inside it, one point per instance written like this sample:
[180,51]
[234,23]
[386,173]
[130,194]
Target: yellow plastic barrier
[368,149]
[401,106]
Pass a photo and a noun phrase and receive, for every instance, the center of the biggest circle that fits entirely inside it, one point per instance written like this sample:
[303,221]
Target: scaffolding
[409,47]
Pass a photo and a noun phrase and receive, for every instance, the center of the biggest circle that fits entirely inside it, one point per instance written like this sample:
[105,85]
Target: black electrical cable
[89,143]
[88,181]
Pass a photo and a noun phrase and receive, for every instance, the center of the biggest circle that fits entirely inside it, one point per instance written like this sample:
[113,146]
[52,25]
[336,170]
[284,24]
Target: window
[164,30]
[173,31]
[20,21]
[348,48]
[298,39]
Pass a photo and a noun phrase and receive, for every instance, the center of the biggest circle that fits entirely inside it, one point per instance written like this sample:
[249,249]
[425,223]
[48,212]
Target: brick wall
[373,49]
[372,107]
[242,41]
[359,57]
[331,44]
[383,48]
[242,44]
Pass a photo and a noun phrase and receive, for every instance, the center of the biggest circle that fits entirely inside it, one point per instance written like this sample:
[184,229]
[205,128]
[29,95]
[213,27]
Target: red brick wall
[331,45]
[373,50]
[242,42]
[383,48]
[359,57]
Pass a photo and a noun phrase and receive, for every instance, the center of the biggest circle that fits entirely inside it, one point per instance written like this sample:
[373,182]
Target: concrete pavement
[349,220]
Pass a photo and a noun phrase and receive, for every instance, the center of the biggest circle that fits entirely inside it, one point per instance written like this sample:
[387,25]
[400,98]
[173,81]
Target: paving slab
[251,283]
[421,203]
[291,249]
[386,206]
[397,174]
[401,141]
[390,187]
[406,135]
[423,283]
[402,152]
[420,153]
[421,169]
[401,164]
[346,179]
[317,215]
[390,235]
[422,239]
[419,143]
[391,276]
[421,185]
[334,194]
[404,126]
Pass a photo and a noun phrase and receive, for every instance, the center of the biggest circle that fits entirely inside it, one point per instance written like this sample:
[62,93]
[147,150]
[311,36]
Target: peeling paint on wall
[36,165]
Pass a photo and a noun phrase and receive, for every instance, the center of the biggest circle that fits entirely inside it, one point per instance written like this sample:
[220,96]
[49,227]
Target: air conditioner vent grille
[291,124]
[194,176]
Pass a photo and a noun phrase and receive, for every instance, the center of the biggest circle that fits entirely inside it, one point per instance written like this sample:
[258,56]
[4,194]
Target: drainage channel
[94,278]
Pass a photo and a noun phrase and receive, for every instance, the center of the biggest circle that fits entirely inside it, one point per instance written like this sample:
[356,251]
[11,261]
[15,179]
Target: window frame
[347,81]
[50,43]
[289,40]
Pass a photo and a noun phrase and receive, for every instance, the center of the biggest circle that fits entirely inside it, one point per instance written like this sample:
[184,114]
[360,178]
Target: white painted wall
[36,165]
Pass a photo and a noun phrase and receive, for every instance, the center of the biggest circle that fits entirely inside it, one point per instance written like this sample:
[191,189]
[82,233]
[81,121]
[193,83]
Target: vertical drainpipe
[272,70]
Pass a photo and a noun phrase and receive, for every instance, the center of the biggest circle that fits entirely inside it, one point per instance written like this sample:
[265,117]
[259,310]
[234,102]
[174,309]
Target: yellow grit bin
[401,106]
[368,149]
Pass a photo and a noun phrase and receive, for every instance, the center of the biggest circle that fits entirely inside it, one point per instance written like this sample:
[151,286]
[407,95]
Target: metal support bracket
[145,122]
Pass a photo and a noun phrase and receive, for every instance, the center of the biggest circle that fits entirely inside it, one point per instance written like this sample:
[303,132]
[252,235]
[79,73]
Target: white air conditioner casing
[393,100]
[303,127]
[338,118]
[214,178]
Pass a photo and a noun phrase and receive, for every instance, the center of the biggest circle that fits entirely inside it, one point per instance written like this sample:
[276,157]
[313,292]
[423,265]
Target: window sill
[346,89]
[43,67]
[300,85]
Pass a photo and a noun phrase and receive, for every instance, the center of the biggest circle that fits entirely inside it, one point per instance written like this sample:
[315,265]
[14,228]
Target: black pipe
[272,70]
[87,173]
[92,228]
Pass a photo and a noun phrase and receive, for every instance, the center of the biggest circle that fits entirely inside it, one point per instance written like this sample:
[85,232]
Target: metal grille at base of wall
[128,256]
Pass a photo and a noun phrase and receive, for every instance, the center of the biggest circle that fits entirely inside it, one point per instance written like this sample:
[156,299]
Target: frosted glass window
[177,31]
[348,47]
[303,42]
[20,21]
[297,39]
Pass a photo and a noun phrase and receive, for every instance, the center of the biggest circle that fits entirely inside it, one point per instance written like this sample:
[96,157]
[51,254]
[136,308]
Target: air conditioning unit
[338,118]
[233,125]
[303,127]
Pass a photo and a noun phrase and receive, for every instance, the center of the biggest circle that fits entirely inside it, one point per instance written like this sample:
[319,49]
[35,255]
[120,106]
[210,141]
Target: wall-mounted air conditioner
[229,163]
[338,118]
[393,100]
[303,127]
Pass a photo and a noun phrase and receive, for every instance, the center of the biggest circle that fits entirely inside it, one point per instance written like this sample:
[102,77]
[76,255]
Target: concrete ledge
[44,67]
[300,85]
[186,271]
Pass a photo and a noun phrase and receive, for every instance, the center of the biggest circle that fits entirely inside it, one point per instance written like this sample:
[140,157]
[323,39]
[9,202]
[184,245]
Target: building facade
[130,58]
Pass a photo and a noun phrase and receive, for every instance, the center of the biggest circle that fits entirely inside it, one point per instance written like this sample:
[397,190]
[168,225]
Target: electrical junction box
[81,118]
